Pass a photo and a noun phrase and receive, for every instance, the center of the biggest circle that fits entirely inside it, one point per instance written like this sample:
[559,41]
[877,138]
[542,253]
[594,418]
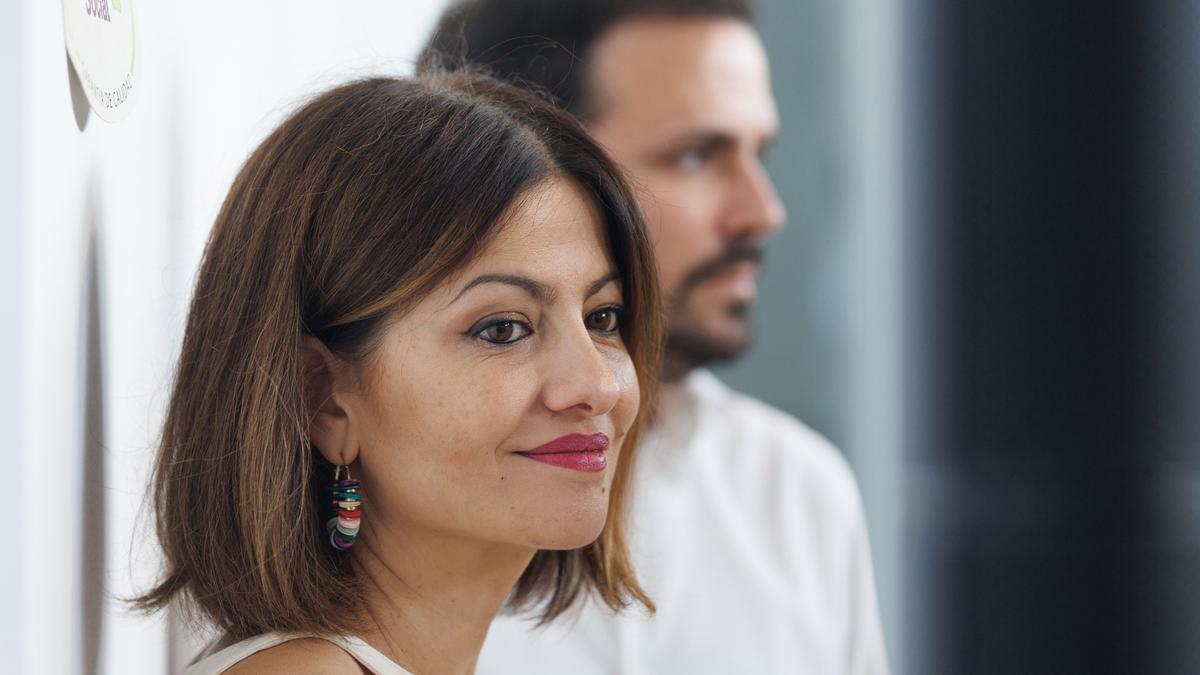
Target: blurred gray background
[798,360]
[828,335]
[988,296]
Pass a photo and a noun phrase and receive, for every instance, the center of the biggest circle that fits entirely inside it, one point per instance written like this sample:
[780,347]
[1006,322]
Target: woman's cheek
[627,407]
[493,404]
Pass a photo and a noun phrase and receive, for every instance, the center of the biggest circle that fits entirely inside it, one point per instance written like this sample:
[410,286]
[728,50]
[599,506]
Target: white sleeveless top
[365,654]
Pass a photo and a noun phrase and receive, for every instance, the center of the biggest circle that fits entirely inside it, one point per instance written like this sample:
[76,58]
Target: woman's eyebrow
[600,283]
[536,289]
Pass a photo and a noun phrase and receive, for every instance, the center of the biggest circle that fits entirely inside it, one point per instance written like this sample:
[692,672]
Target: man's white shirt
[747,531]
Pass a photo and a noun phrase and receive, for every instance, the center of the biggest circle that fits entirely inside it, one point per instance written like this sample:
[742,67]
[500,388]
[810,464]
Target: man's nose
[756,211]
[579,378]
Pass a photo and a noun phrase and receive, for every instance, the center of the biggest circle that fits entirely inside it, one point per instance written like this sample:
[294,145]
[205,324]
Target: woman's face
[495,409]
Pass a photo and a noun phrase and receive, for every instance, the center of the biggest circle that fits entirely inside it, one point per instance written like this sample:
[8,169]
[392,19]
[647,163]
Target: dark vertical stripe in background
[1053,166]
[92,546]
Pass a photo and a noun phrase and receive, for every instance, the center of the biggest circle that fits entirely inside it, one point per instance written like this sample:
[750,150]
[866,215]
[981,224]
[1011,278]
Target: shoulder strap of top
[223,659]
[368,656]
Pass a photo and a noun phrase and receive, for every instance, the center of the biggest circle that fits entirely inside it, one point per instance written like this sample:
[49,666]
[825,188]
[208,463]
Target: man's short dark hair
[543,44]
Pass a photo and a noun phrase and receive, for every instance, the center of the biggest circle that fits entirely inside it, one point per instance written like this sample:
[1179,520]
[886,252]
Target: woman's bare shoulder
[302,656]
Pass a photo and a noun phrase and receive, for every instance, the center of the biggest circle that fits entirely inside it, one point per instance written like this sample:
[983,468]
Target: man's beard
[689,344]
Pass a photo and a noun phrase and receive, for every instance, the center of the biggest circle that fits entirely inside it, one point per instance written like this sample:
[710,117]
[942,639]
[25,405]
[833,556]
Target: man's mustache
[736,252]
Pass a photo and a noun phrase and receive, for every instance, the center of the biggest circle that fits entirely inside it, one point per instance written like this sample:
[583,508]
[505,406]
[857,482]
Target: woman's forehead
[554,227]
[551,237]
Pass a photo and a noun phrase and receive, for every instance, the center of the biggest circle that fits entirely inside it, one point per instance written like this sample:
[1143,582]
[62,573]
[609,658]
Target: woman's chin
[570,535]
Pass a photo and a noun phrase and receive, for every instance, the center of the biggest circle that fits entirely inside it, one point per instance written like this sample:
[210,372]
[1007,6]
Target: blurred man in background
[747,527]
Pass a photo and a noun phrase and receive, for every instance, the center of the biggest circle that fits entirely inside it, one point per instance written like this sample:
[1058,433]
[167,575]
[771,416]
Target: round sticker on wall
[103,48]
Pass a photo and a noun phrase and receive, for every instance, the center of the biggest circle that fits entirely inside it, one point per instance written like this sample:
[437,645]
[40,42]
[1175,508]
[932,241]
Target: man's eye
[607,320]
[694,158]
[504,332]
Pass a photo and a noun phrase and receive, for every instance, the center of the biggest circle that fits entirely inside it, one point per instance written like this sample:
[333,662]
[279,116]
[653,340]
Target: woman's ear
[330,426]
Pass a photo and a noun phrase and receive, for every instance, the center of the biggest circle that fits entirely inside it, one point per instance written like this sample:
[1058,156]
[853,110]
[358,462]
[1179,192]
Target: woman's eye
[607,320]
[504,332]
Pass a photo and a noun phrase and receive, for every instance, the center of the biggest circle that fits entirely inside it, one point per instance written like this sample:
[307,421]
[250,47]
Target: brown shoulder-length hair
[362,201]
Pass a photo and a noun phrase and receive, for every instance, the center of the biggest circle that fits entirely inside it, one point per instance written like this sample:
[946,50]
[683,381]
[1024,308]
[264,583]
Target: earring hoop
[347,503]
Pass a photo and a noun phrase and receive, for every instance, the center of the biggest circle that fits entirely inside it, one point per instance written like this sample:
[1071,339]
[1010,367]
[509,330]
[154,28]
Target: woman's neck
[431,598]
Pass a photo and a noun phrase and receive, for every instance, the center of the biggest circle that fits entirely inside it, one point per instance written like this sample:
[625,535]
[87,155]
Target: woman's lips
[577,461]
[578,452]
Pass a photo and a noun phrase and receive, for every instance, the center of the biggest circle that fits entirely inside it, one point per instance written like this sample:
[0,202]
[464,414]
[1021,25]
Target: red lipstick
[579,452]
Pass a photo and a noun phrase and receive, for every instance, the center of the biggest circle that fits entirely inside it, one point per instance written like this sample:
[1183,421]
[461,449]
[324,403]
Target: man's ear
[330,426]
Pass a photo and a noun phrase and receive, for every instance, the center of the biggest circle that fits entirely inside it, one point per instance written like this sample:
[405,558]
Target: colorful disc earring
[346,503]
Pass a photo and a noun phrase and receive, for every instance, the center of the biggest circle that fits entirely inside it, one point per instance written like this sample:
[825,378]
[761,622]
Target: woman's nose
[579,377]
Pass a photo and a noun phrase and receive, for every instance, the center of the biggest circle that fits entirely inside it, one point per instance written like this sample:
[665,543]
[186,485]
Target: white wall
[215,77]
[12,311]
